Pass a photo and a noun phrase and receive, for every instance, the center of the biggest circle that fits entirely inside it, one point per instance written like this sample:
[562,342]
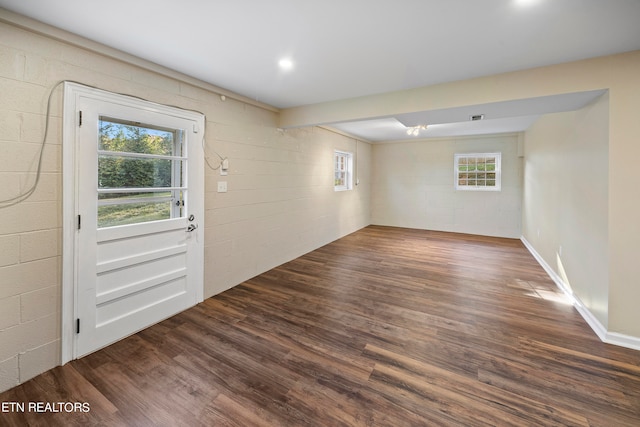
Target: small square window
[478,172]
[343,171]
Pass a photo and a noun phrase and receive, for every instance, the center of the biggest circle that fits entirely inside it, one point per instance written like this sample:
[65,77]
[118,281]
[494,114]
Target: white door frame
[70,185]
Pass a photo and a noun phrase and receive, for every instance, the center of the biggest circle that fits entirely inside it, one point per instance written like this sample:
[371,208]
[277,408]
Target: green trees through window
[478,171]
[117,171]
[343,170]
[139,172]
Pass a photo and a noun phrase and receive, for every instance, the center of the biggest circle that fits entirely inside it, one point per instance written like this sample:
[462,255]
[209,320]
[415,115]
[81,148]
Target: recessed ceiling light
[526,2]
[285,64]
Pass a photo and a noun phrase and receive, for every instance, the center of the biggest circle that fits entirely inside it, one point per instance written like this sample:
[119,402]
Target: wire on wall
[207,156]
[27,193]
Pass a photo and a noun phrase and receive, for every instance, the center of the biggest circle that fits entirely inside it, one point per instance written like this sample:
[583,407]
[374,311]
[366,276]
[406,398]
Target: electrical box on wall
[224,167]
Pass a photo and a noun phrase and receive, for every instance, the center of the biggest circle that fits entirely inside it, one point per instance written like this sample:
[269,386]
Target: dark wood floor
[385,327]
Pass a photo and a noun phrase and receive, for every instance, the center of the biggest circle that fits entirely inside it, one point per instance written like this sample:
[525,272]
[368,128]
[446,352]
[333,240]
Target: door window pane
[131,157]
[130,137]
[124,172]
[133,209]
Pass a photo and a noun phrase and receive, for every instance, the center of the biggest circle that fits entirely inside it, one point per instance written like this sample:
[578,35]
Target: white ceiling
[348,48]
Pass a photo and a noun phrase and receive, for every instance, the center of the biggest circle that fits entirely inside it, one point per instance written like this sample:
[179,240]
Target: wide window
[343,165]
[140,171]
[478,172]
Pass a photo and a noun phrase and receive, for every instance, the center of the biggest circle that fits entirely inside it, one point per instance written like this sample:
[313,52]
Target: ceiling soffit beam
[500,110]
[578,76]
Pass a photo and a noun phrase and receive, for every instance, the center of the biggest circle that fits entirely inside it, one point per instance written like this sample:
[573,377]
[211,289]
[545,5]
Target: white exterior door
[139,190]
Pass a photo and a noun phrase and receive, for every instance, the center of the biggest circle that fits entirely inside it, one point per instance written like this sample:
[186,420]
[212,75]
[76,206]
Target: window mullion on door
[177,179]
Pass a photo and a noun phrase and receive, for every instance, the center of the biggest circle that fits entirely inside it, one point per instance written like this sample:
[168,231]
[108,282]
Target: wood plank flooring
[385,327]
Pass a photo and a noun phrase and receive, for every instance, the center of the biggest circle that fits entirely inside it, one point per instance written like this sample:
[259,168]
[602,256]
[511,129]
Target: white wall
[30,246]
[413,186]
[566,193]
[617,73]
[280,202]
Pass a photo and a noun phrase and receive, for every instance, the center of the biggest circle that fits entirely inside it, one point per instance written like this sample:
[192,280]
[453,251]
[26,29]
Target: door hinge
[80,118]
[77,326]
[79,222]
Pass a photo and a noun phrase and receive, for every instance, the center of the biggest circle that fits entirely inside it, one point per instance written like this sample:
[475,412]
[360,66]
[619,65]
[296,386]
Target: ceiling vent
[476,117]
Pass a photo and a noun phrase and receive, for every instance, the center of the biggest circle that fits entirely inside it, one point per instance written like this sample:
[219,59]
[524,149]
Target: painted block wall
[280,201]
[413,186]
[566,193]
[617,73]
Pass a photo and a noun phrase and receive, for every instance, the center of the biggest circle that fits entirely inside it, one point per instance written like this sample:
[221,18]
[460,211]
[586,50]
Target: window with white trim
[140,172]
[478,171]
[343,167]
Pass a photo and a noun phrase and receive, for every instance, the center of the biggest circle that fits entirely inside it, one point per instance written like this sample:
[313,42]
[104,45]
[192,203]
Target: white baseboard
[614,338]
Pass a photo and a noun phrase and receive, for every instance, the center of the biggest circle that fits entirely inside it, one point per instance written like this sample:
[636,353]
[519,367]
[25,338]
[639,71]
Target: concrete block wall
[280,201]
[413,186]
[279,182]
